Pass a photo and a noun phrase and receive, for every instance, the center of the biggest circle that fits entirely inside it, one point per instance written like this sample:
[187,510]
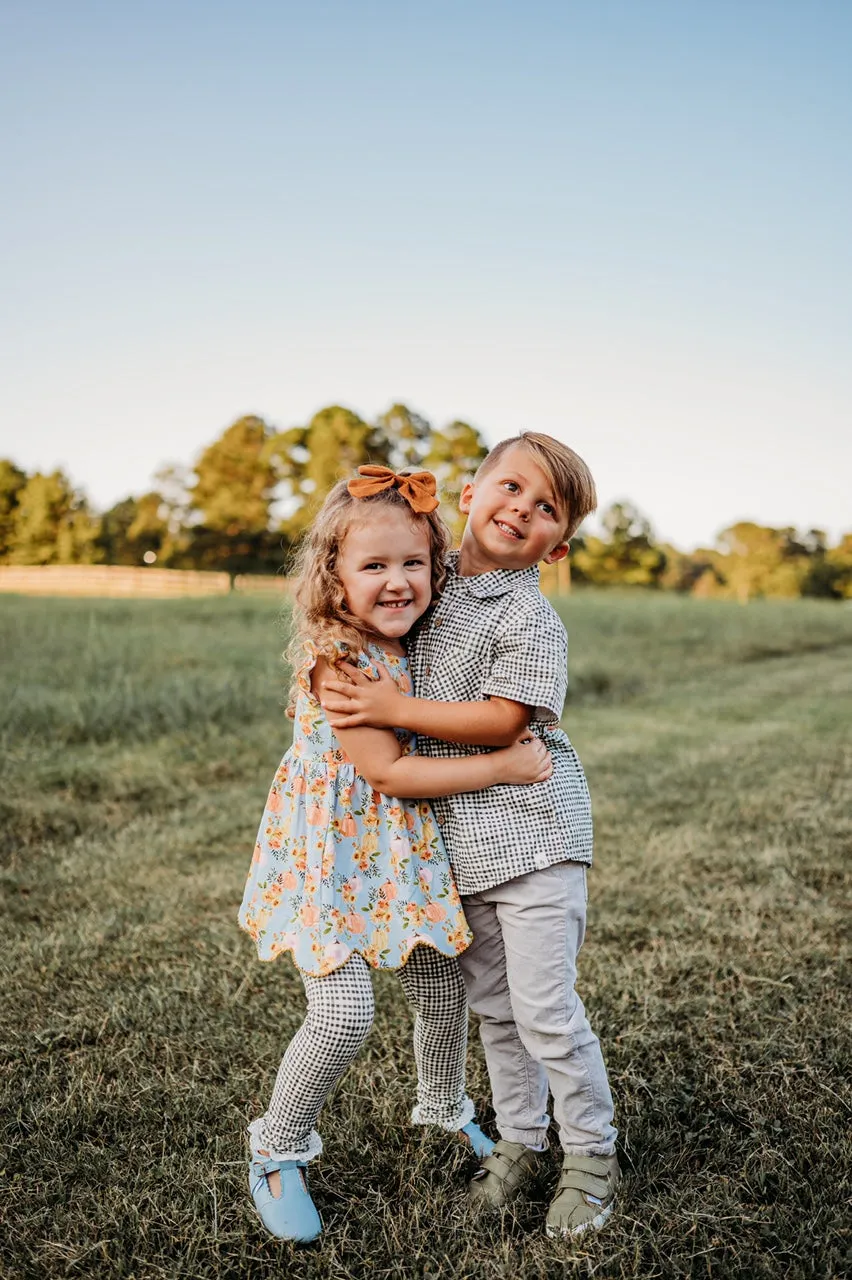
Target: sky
[622,222]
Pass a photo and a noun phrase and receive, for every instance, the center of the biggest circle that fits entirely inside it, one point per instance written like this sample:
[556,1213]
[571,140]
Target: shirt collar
[494,583]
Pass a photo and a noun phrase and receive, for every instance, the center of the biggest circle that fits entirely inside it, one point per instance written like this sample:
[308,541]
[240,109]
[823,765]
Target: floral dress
[337,866]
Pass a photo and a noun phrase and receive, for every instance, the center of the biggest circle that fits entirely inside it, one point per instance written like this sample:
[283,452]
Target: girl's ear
[466,498]
[559,552]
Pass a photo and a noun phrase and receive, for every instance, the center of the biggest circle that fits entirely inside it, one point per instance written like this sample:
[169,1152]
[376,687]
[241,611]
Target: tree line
[250,495]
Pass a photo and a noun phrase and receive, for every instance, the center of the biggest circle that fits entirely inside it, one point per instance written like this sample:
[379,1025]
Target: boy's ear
[466,497]
[559,552]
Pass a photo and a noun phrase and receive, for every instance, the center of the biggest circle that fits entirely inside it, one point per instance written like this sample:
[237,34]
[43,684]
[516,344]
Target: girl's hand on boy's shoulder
[360,700]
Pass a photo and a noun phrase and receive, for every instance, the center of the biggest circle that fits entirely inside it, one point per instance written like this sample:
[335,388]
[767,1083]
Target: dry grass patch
[140,1033]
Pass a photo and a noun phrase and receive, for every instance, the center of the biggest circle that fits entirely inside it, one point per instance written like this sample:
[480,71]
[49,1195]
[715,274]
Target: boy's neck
[473,561]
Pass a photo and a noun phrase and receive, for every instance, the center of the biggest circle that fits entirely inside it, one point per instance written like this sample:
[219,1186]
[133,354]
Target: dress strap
[362,660]
[309,661]
[365,661]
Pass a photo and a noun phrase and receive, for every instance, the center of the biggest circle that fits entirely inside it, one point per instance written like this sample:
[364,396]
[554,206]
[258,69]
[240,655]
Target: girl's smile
[385,570]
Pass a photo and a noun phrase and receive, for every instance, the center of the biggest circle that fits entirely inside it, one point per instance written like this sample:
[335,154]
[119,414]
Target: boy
[489,659]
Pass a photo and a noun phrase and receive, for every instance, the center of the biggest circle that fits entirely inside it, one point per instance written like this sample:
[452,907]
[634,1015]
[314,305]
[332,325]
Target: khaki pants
[520,974]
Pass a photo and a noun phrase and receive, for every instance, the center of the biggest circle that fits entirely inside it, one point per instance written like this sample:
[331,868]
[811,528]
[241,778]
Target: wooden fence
[125,580]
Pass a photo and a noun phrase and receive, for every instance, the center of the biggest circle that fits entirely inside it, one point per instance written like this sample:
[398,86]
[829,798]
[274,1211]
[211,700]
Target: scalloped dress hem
[356,951]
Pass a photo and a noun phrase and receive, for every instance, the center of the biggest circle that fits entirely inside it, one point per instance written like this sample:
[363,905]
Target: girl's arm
[377,756]
[357,700]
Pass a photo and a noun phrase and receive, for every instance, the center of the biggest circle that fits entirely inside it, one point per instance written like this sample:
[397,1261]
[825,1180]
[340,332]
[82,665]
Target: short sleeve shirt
[494,635]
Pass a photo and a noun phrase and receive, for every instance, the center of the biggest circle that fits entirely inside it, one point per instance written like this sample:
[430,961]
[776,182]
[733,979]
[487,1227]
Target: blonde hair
[320,617]
[565,469]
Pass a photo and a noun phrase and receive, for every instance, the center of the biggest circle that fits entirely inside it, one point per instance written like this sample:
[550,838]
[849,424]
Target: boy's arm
[377,756]
[359,701]
[525,680]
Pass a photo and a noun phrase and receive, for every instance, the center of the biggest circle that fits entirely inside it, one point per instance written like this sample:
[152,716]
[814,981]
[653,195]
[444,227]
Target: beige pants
[520,974]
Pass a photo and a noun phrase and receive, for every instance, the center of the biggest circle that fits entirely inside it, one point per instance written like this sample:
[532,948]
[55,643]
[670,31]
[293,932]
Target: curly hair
[319,613]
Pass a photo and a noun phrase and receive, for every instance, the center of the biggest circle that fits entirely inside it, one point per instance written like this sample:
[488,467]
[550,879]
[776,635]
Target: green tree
[53,523]
[134,528]
[625,554]
[235,479]
[310,460]
[454,454]
[684,570]
[156,528]
[113,541]
[756,560]
[166,511]
[823,575]
[839,564]
[229,522]
[403,437]
[12,483]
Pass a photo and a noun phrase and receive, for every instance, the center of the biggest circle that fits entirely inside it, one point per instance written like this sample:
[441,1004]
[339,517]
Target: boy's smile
[514,517]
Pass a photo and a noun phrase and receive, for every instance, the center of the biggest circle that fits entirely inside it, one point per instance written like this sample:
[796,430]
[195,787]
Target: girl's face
[385,571]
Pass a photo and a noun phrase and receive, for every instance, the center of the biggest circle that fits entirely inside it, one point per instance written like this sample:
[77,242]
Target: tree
[759,561]
[12,482]
[684,570]
[133,529]
[53,523]
[113,540]
[167,513]
[235,479]
[839,564]
[230,517]
[824,575]
[626,555]
[403,437]
[310,460]
[454,455]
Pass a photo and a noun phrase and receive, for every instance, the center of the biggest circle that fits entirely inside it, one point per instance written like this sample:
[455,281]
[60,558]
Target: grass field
[139,1033]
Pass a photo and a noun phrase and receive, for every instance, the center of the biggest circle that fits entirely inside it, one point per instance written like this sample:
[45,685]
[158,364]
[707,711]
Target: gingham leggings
[339,1018]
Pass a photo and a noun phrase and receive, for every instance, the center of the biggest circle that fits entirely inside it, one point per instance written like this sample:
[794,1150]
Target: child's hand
[357,700]
[527,760]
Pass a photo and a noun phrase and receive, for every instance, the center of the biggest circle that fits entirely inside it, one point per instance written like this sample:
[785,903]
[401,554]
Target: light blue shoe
[293,1214]
[480,1143]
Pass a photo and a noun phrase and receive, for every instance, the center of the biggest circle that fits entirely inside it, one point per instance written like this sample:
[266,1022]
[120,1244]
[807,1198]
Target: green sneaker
[585,1195]
[504,1175]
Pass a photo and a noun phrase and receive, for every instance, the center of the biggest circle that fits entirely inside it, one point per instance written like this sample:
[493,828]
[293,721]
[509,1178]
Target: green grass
[139,1033]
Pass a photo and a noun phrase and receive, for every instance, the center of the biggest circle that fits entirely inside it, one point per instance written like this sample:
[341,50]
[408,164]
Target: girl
[345,876]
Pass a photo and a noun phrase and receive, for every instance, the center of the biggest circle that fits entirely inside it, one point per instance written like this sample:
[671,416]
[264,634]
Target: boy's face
[514,517]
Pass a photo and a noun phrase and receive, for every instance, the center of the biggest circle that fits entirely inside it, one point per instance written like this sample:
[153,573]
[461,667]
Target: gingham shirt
[494,634]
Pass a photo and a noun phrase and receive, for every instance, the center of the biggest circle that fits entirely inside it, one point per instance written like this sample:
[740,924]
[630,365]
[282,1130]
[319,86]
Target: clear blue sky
[625,223]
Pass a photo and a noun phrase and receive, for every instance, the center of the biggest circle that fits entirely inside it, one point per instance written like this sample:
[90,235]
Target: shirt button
[437,622]
[428,671]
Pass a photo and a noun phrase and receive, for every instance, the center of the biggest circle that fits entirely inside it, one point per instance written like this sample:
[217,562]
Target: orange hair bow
[418,489]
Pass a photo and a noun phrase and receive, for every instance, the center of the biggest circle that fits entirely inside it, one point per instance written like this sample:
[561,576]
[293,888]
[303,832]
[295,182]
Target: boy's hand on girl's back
[358,700]
[527,760]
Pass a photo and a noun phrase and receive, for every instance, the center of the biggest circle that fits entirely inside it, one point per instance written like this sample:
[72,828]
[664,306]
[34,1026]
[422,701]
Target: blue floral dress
[337,866]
